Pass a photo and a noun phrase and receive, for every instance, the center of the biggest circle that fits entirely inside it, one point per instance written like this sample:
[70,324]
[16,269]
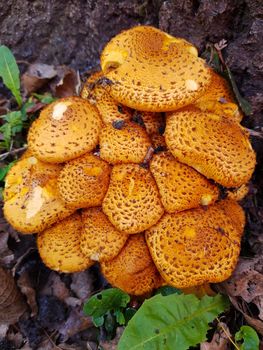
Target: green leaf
[171,322]
[168,290]
[9,72]
[249,337]
[129,313]
[98,321]
[46,98]
[5,169]
[109,299]
[119,316]
[243,103]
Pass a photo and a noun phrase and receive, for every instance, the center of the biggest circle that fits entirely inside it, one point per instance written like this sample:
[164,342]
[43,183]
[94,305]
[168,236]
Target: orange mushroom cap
[59,246]
[127,144]
[180,186]
[133,269]
[215,146]
[150,70]
[132,202]
[100,240]
[65,129]
[195,246]
[109,109]
[84,181]
[31,199]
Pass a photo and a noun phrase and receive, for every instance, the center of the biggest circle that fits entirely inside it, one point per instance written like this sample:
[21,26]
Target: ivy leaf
[171,322]
[107,300]
[98,321]
[119,316]
[9,72]
[249,337]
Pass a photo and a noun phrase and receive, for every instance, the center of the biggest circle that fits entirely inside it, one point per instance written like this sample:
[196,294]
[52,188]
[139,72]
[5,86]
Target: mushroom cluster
[142,173]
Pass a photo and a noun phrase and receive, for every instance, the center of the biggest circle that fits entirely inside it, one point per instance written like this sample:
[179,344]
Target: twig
[255,133]
[12,152]
[227,334]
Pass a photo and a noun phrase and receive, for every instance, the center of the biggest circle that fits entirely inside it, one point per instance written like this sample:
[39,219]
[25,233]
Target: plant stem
[227,334]
[14,151]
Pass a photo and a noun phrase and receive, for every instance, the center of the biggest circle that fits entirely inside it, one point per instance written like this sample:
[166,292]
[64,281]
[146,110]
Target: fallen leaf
[219,341]
[55,286]
[25,285]
[37,75]
[113,344]
[75,323]
[12,305]
[66,83]
[82,283]
[6,255]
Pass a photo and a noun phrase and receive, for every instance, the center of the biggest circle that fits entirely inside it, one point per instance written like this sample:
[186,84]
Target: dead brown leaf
[12,305]
[37,75]
[66,83]
[219,341]
[25,285]
[247,282]
[75,323]
[6,255]
[82,283]
[113,344]
[56,287]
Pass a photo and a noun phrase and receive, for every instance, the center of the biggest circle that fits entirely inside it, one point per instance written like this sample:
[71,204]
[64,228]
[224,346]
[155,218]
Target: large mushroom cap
[133,269]
[100,241]
[150,70]
[127,144]
[195,246]
[65,129]
[132,202]
[31,198]
[215,146]
[219,99]
[59,246]
[84,181]
[180,186]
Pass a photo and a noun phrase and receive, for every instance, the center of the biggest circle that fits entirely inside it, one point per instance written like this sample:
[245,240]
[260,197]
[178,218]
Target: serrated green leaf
[107,300]
[119,316]
[171,322]
[243,103]
[98,321]
[249,337]
[9,72]
[168,290]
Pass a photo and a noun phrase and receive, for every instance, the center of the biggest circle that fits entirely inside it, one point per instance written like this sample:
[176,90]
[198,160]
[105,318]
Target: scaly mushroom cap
[152,122]
[65,129]
[219,99]
[132,202]
[235,212]
[127,144]
[109,109]
[59,246]
[150,70]
[84,181]
[215,146]
[195,246]
[31,198]
[239,193]
[100,241]
[133,269]
[180,186]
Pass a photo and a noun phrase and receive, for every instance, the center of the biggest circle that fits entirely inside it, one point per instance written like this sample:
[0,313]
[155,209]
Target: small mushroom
[127,144]
[59,246]
[215,146]
[195,246]
[180,186]
[31,199]
[237,194]
[153,71]
[65,129]
[132,202]
[84,181]
[133,269]
[100,240]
